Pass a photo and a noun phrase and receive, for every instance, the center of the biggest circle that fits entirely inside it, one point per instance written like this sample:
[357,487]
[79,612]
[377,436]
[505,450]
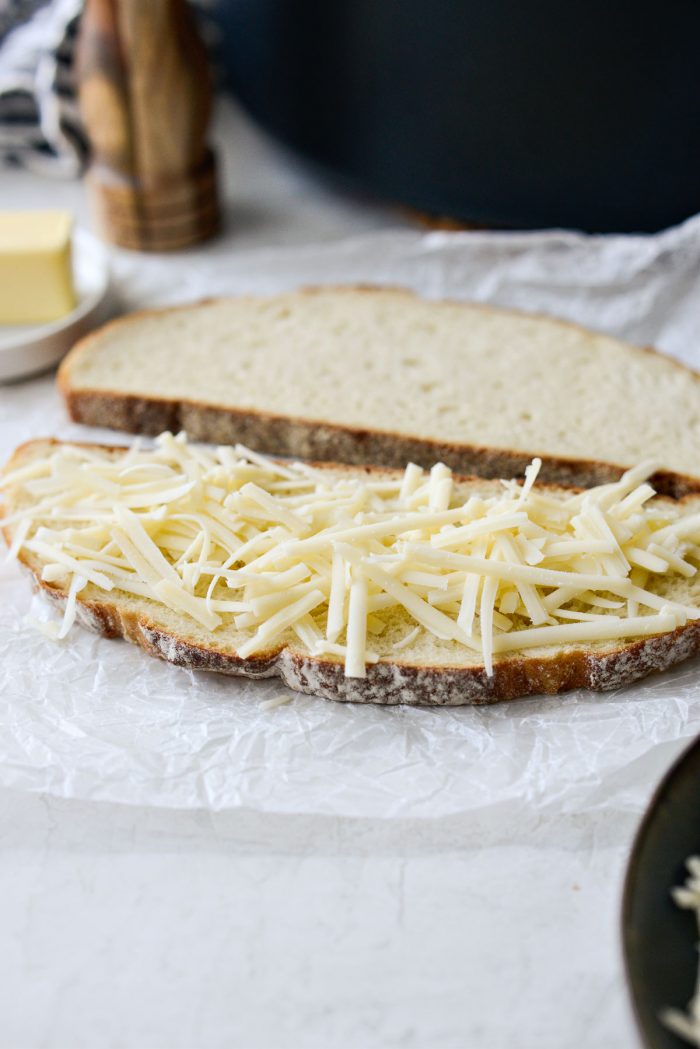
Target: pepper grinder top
[145,92]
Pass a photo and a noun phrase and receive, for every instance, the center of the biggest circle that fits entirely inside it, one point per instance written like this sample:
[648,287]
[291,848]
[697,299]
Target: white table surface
[135,927]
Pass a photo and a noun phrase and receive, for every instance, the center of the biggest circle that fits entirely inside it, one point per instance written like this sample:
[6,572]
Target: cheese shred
[686,1024]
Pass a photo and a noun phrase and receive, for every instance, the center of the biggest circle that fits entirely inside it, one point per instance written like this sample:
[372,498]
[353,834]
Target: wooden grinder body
[145,99]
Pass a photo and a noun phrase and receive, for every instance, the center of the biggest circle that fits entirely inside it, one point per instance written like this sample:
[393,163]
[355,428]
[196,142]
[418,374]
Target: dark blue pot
[508,113]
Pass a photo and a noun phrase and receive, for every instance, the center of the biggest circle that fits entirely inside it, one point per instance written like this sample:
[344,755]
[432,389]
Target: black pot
[503,112]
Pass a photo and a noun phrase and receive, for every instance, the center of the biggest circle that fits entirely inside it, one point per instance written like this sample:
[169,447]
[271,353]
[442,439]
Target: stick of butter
[36,276]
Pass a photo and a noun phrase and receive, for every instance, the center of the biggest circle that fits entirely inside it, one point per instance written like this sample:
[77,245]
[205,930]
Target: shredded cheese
[276,701]
[357,626]
[267,550]
[687,1024]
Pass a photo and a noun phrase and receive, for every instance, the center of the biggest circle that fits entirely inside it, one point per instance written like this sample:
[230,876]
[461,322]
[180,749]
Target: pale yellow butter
[36,278]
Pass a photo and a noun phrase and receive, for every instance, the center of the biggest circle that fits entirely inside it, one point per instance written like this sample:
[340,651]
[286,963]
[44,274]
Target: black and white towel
[40,126]
[39,123]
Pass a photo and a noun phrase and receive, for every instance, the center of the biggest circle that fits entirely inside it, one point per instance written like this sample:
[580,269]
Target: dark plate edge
[631,873]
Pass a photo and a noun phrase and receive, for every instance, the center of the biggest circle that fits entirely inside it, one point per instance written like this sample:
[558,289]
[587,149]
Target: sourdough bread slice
[362,375]
[428,671]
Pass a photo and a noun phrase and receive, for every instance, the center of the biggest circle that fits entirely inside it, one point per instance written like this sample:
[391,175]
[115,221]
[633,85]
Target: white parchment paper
[97,719]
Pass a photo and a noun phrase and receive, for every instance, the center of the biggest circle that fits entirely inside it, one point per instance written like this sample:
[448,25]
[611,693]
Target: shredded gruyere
[231,538]
[687,1024]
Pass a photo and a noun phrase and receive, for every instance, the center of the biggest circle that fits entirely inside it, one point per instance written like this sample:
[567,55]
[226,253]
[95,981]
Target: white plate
[29,348]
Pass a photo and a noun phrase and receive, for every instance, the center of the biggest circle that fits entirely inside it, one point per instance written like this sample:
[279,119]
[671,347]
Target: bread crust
[310,439]
[329,442]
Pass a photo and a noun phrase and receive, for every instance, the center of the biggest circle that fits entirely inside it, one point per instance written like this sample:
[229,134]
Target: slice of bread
[429,671]
[363,375]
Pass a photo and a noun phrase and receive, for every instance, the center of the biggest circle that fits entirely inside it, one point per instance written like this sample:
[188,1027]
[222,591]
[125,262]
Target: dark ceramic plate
[658,937]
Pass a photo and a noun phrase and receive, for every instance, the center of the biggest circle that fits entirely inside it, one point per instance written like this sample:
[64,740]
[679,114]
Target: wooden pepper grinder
[145,93]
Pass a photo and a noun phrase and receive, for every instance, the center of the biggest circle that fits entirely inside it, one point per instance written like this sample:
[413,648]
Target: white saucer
[29,348]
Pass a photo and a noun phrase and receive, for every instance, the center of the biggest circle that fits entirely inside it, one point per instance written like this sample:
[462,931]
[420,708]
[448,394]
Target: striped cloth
[39,123]
[40,126]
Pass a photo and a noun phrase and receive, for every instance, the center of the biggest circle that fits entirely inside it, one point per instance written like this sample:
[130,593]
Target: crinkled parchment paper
[97,719]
